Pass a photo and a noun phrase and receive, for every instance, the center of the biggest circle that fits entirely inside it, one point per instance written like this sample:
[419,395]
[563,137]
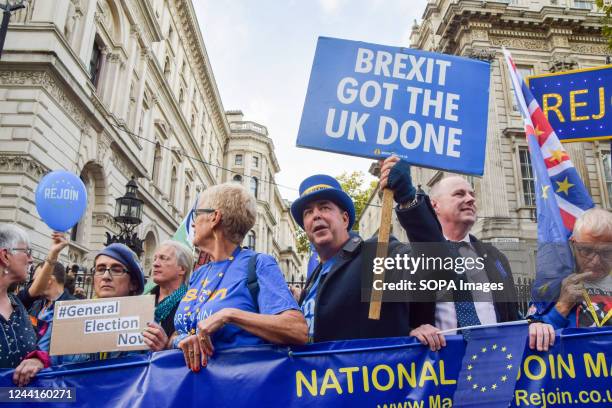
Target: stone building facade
[250,160]
[109,89]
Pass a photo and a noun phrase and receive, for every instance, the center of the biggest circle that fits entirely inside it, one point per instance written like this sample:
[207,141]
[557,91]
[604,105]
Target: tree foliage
[606,7]
[354,185]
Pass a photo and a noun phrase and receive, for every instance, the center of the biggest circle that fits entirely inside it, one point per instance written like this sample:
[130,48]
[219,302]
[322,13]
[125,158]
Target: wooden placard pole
[381,250]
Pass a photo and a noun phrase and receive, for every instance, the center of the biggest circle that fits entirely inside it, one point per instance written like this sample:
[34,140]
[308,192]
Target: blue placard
[372,100]
[577,103]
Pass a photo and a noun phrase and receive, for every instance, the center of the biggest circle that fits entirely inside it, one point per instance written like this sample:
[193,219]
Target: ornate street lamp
[9,6]
[128,215]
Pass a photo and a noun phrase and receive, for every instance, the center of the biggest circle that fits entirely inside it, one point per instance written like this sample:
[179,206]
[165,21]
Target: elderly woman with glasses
[219,309]
[18,347]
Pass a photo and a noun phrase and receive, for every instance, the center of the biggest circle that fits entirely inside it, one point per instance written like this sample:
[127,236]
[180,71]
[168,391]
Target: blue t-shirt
[222,284]
[308,305]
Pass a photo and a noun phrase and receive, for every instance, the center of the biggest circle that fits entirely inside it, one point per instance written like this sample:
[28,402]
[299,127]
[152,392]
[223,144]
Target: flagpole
[484,326]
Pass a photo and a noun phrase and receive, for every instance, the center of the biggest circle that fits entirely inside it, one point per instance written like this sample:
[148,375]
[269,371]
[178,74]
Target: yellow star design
[483,389]
[474,386]
[186,308]
[509,356]
[545,192]
[198,310]
[474,357]
[504,348]
[484,349]
[469,378]
[564,186]
[469,367]
[494,387]
[205,283]
[557,155]
[188,313]
[494,347]
[543,289]
[192,331]
[509,366]
[537,131]
[504,378]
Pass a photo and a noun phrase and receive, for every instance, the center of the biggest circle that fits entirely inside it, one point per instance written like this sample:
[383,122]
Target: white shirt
[446,315]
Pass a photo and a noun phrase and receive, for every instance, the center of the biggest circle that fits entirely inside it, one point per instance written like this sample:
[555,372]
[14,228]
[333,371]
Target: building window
[255,161]
[157,159]
[238,160]
[173,183]
[251,240]
[527,179]
[237,178]
[167,67]
[95,63]
[607,176]
[254,186]
[187,203]
[525,71]
[583,4]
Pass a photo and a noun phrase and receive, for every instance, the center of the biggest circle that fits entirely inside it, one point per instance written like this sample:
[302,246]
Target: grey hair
[11,235]
[436,189]
[184,256]
[237,207]
[597,222]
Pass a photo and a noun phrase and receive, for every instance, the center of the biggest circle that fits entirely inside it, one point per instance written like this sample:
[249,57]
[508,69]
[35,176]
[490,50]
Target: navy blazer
[496,264]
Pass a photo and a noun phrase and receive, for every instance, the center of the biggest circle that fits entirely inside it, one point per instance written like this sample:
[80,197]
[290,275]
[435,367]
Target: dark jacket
[496,264]
[340,313]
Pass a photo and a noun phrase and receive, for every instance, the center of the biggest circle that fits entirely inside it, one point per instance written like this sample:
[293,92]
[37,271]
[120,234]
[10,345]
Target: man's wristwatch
[409,204]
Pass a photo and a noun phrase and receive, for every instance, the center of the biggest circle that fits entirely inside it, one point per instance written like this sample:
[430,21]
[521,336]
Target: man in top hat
[331,300]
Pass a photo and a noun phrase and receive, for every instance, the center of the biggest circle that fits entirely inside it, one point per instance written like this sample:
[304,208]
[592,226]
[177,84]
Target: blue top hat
[322,187]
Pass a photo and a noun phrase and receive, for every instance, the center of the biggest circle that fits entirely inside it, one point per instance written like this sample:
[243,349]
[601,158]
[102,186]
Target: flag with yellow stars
[559,194]
[490,366]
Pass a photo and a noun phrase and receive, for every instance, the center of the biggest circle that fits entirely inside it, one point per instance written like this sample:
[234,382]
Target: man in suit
[331,300]
[454,203]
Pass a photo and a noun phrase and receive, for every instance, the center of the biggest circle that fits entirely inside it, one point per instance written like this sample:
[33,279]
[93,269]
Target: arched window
[251,240]
[157,159]
[181,96]
[254,186]
[237,178]
[173,183]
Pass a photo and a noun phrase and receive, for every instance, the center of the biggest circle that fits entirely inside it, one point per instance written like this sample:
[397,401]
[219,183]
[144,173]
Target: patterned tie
[464,303]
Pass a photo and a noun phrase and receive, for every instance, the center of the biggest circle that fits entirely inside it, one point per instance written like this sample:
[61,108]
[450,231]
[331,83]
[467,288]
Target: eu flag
[490,365]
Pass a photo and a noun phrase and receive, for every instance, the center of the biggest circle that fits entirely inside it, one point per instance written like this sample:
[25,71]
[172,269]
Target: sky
[261,52]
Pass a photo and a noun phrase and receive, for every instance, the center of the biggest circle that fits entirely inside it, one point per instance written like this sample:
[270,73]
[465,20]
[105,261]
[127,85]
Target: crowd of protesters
[239,297]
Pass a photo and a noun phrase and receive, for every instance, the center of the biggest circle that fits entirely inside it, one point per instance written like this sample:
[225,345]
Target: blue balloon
[61,200]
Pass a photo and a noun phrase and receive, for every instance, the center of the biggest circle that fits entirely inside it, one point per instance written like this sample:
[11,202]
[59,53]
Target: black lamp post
[8,7]
[128,215]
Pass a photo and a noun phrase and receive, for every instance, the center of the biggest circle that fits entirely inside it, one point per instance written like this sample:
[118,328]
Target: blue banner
[397,372]
[372,100]
[578,103]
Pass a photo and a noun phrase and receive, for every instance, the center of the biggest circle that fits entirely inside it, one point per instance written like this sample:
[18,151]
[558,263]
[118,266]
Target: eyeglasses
[27,251]
[199,211]
[115,271]
[589,250]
